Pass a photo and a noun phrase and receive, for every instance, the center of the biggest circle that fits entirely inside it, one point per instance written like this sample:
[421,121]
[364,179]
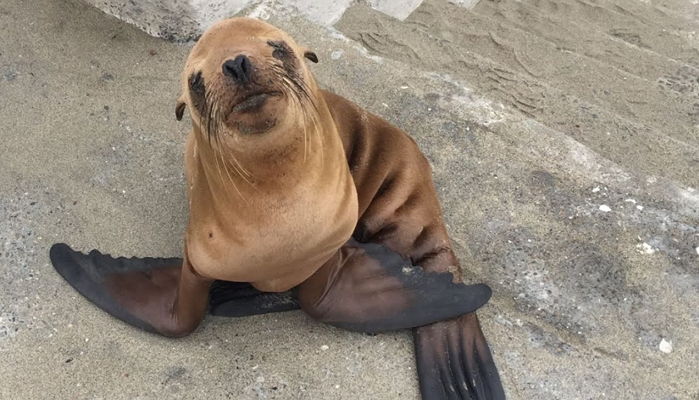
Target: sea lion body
[274,234]
[398,204]
[291,186]
[398,207]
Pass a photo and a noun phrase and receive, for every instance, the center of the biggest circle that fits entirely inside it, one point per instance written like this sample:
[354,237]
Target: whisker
[230,178]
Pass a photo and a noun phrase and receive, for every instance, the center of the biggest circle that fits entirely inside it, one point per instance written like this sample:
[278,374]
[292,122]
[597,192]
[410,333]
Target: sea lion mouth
[254,111]
[253,102]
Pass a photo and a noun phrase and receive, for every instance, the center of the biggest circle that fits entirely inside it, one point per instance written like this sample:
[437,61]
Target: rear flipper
[454,361]
[237,299]
[160,295]
[369,288]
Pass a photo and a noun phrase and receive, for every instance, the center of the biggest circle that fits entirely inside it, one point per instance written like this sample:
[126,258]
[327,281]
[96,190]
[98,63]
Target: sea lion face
[245,81]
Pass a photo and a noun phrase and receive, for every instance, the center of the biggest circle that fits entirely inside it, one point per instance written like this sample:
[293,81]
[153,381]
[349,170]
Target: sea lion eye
[196,82]
[197,88]
[281,49]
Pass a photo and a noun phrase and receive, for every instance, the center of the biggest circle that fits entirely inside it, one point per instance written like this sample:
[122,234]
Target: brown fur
[267,207]
[398,205]
[234,215]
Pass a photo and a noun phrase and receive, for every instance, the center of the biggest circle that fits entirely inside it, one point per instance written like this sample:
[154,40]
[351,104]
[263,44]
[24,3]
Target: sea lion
[291,187]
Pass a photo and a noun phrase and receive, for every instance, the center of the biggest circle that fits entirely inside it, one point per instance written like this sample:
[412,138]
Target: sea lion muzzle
[239,69]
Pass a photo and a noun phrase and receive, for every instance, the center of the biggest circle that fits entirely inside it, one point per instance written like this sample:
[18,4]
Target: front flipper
[454,361]
[160,295]
[367,287]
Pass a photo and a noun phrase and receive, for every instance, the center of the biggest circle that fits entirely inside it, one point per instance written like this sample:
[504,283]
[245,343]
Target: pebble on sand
[665,346]
[645,248]
[605,208]
[337,54]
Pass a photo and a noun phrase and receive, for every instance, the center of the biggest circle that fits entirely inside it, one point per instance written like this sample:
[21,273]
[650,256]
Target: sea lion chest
[272,237]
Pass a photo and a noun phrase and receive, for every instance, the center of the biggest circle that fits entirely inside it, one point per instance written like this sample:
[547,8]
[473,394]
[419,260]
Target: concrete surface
[564,142]
[184,20]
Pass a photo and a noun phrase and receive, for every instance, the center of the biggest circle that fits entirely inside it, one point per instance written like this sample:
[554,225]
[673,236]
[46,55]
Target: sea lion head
[246,84]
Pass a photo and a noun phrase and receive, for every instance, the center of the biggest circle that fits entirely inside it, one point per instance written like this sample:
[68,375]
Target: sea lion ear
[179,109]
[311,56]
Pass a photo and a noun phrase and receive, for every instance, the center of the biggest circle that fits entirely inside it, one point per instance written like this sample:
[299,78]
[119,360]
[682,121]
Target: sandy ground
[564,141]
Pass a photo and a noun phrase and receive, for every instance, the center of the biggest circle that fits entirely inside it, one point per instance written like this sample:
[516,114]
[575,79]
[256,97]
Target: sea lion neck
[300,157]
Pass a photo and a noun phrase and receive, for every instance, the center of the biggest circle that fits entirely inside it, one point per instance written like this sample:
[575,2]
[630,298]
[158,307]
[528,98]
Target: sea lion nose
[239,68]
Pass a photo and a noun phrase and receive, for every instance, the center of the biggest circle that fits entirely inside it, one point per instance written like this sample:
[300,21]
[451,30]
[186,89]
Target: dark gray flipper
[87,273]
[367,287]
[237,299]
[455,362]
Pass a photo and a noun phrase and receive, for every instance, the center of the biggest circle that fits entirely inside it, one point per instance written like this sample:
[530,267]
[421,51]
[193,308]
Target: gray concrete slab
[185,20]
[591,251]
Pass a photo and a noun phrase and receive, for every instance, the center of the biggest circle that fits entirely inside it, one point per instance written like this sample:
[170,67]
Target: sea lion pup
[293,187]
